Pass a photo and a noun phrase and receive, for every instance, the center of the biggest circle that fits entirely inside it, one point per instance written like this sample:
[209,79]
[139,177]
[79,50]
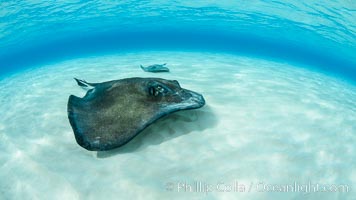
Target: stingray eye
[157,90]
[152,91]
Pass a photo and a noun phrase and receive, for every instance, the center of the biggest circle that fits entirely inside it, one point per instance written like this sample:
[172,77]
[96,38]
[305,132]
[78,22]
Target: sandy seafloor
[263,121]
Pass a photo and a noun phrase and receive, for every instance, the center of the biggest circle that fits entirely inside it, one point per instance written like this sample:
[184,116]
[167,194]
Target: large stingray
[112,113]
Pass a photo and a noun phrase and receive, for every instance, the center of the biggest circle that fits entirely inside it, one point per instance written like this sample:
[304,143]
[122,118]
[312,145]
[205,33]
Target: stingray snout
[195,99]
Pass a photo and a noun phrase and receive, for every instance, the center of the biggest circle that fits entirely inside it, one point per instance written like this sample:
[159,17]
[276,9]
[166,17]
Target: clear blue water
[316,33]
[278,78]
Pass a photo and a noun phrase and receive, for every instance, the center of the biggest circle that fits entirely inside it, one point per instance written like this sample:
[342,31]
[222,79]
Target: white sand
[264,122]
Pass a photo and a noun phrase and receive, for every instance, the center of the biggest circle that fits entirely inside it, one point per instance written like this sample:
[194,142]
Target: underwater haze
[278,77]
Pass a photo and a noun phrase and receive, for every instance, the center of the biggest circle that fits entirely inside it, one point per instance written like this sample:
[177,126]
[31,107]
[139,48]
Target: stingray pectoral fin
[97,126]
[76,120]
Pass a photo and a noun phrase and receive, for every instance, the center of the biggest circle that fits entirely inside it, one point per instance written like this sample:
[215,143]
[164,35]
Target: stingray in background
[112,113]
[155,68]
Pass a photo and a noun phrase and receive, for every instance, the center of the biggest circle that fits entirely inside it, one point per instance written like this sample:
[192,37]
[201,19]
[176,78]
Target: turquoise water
[312,33]
[278,78]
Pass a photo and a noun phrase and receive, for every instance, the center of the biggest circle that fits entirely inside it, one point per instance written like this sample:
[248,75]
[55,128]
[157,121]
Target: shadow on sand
[167,128]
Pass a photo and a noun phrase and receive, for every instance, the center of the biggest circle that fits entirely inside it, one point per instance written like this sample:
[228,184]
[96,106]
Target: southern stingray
[112,113]
[155,68]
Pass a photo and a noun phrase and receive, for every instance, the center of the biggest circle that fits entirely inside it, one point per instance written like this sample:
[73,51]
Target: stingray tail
[83,83]
[142,68]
